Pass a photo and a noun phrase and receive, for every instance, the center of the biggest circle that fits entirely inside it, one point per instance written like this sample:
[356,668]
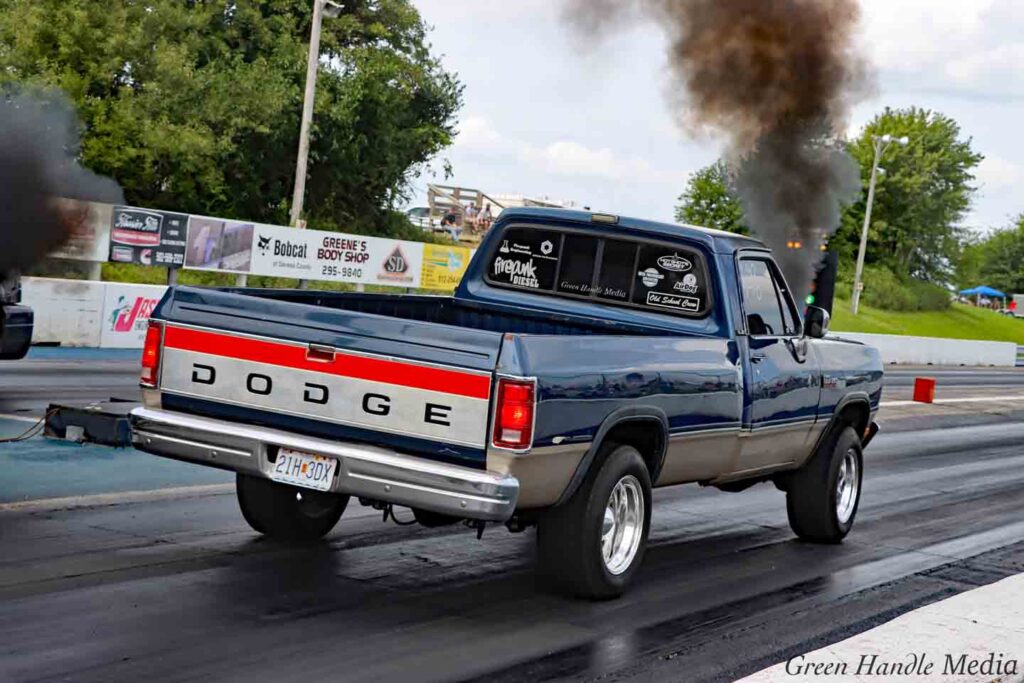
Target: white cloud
[479,136]
[477,133]
[996,173]
[566,157]
[996,65]
[963,46]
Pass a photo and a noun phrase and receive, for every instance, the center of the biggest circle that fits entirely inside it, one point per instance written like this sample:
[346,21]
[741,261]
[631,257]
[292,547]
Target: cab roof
[717,241]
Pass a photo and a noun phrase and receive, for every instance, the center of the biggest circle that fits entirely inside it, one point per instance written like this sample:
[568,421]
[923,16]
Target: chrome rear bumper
[364,471]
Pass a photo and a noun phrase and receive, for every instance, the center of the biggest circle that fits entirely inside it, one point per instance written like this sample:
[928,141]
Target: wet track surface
[68,376]
[182,590]
[178,588]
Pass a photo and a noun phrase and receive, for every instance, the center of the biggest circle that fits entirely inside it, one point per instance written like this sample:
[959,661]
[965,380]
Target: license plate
[304,469]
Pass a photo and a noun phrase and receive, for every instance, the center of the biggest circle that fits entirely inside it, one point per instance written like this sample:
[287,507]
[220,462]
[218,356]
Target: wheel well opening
[646,436]
[857,415]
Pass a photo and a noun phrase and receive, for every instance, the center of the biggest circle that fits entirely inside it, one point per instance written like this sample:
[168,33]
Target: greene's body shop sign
[229,246]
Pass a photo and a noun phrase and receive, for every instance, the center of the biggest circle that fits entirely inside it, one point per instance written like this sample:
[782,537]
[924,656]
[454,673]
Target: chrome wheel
[847,486]
[623,525]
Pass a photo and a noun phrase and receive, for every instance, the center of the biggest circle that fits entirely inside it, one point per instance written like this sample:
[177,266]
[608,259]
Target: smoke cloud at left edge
[39,147]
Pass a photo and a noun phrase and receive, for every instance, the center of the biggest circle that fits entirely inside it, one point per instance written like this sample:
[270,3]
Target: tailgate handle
[320,354]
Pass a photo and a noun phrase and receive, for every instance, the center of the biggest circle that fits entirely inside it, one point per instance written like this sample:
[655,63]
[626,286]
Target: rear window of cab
[650,275]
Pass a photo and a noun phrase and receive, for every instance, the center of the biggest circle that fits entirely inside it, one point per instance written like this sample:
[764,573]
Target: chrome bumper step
[364,471]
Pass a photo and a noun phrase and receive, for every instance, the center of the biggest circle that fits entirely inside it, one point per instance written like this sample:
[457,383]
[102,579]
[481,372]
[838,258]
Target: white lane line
[19,418]
[120,498]
[974,636]
[971,399]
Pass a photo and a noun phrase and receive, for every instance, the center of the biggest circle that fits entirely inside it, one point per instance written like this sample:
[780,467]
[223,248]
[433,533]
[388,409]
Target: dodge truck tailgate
[411,385]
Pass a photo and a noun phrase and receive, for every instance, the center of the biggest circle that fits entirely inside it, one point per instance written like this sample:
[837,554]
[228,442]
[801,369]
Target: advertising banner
[219,244]
[443,266]
[306,254]
[89,228]
[126,311]
[147,237]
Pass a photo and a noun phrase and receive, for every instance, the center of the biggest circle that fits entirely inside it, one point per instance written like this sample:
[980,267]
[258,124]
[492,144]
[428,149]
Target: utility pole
[881,144]
[320,8]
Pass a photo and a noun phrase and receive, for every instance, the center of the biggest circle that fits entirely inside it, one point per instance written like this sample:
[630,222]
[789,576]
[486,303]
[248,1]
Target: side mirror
[816,322]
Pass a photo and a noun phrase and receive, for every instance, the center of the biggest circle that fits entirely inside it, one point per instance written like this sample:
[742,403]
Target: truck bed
[449,311]
[411,335]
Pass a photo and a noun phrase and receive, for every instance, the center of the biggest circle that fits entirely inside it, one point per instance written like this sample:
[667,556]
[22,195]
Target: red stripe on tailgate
[343,365]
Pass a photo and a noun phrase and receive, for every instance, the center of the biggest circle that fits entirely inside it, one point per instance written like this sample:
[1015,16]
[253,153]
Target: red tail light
[513,419]
[151,356]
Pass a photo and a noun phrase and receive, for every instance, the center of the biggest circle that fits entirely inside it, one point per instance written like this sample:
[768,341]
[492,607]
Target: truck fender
[615,419]
[853,398]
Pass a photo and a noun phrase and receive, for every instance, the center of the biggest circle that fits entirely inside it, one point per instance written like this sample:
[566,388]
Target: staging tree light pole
[881,144]
[321,8]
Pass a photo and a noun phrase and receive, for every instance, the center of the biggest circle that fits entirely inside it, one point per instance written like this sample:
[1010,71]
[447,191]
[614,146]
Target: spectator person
[470,215]
[450,224]
[485,219]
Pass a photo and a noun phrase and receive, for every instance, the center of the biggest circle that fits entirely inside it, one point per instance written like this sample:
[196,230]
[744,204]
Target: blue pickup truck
[583,360]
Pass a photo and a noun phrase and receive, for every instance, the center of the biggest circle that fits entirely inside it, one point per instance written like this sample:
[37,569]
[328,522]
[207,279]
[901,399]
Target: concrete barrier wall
[83,313]
[932,351]
[66,311]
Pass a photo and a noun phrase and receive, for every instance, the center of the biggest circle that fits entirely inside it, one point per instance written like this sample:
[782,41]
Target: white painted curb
[974,636]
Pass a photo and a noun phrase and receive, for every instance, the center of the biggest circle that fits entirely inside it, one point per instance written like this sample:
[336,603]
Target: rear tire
[822,497]
[592,546]
[287,513]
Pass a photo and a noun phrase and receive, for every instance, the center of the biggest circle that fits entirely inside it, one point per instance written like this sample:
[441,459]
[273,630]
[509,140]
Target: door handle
[319,353]
[757,357]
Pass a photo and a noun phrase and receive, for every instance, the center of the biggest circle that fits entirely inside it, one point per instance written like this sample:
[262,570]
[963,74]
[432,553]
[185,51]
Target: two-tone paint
[707,401]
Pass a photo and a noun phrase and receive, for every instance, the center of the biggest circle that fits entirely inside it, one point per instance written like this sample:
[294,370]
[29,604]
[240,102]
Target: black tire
[569,537]
[812,498]
[286,513]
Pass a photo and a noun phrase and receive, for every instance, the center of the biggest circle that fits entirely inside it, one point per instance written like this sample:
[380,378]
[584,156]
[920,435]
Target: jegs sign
[126,311]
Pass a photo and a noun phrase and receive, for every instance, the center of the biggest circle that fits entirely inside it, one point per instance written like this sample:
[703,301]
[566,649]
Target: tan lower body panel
[699,456]
[543,473]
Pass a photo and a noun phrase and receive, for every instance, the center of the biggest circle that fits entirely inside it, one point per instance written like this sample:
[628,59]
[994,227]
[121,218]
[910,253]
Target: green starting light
[810,299]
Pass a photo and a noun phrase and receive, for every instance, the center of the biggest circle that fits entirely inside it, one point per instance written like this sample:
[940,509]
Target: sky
[549,115]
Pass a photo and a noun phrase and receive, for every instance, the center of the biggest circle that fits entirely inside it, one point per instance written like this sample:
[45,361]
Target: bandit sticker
[650,277]
[688,284]
[679,303]
[520,273]
[675,263]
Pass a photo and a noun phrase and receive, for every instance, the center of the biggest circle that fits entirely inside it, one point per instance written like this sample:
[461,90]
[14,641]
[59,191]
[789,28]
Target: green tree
[920,199]
[194,105]
[709,201]
[999,260]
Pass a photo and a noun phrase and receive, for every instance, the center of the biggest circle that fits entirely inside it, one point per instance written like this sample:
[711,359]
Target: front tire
[593,545]
[286,513]
[823,496]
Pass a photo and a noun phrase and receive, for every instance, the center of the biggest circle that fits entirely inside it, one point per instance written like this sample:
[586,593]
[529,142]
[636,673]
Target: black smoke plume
[39,146]
[776,79]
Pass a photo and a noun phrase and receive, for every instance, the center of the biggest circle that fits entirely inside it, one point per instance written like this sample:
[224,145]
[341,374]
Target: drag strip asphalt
[179,588]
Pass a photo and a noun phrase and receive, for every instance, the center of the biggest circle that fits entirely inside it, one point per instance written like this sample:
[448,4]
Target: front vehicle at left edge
[16,320]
